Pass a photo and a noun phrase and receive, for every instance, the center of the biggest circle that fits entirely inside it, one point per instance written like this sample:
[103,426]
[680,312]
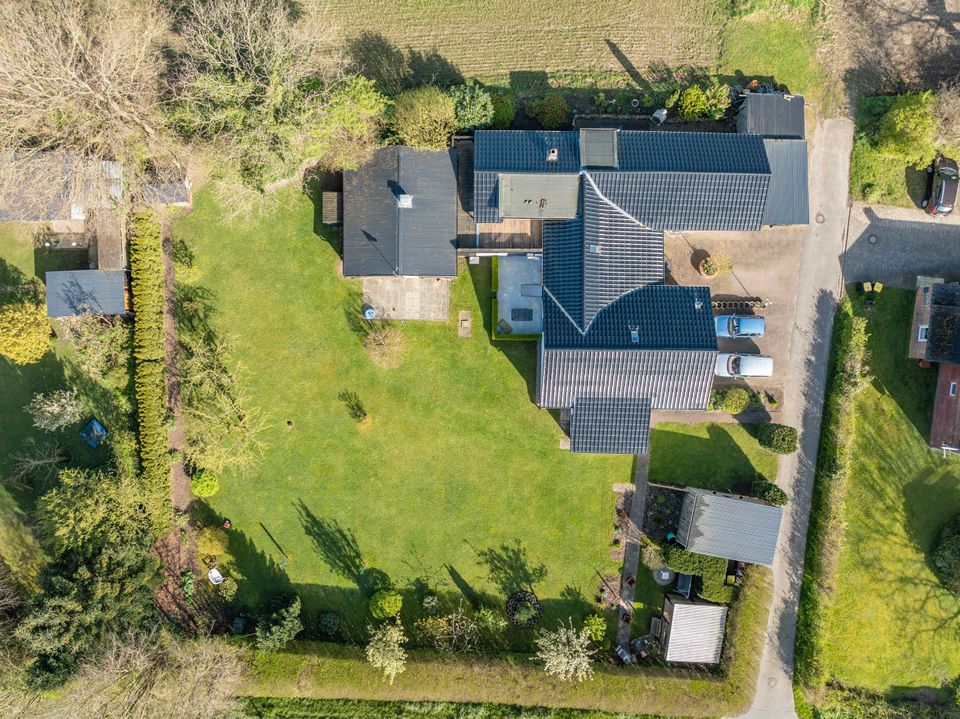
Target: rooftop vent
[698,305]
[552,155]
[405,201]
[634,335]
[594,249]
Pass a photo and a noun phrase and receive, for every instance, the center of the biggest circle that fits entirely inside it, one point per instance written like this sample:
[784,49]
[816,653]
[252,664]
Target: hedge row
[847,376]
[711,570]
[146,269]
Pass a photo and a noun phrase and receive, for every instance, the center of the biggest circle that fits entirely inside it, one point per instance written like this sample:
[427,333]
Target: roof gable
[737,528]
[787,196]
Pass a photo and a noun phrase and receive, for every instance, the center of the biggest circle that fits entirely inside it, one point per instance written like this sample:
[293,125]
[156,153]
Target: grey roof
[381,238]
[772,115]
[606,425]
[943,335]
[526,151]
[76,292]
[590,262]
[697,152]
[696,633]
[167,193]
[598,147]
[720,525]
[59,186]
[689,200]
[787,197]
[538,195]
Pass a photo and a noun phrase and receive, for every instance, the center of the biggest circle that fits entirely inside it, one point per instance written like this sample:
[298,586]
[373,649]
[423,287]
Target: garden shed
[741,529]
[75,292]
[692,631]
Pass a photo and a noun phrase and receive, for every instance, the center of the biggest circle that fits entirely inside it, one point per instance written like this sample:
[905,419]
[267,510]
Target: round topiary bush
[205,484]
[716,265]
[385,604]
[778,437]
[524,609]
[769,492]
[946,556]
[504,110]
[329,624]
[550,111]
[736,400]
[473,106]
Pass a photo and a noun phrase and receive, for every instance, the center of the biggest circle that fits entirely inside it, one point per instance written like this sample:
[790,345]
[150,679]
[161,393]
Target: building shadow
[316,181]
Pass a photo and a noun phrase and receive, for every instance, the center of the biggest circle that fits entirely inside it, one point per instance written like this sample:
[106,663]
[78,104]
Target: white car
[730,364]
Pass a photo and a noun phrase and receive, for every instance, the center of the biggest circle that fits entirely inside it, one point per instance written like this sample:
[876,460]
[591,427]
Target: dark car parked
[941,187]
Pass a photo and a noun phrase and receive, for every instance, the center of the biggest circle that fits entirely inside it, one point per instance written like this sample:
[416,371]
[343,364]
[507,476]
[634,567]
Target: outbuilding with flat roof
[76,292]
[692,631]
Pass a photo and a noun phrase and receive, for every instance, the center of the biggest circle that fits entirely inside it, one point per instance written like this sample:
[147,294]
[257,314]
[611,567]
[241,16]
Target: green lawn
[18,384]
[891,624]
[457,480]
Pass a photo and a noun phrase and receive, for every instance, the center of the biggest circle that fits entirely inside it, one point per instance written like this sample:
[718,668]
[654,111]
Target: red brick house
[935,339]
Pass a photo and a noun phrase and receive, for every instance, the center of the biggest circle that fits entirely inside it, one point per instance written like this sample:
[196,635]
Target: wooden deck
[517,235]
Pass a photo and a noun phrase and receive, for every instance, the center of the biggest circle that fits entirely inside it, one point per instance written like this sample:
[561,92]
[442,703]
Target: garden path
[631,549]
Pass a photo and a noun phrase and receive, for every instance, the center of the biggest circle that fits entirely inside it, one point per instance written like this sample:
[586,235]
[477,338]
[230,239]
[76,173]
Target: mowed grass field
[892,624]
[496,37]
[457,480]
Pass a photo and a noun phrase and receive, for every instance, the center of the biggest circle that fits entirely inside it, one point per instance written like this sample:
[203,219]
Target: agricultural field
[899,495]
[455,481]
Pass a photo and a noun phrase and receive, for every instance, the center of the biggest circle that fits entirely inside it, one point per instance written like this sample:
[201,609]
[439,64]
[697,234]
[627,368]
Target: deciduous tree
[55,410]
[566,653]
[24,331]
[385,650]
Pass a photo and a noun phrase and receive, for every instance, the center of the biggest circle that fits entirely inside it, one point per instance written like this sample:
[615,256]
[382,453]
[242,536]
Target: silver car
[739,326]
[730,364]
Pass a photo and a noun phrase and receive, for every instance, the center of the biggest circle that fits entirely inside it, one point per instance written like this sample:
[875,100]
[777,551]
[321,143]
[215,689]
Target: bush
[718,99]
[385,604]
[472,106]
[550,111]
[692,103]
[735,400]
[524,609]
[711,570]
[384,343]
[385,650]
[596,628]
[778,437]
[228,588]
[716,265]
[212,542]
[329,624]
[566,653]
[54,411]
[280,628]
[103,343]
[504,110]
[24,332]
[672,99]
[205,484]
[348,129]
[769,492]
[424,118]
[908,130]
[946,556]
[188,583]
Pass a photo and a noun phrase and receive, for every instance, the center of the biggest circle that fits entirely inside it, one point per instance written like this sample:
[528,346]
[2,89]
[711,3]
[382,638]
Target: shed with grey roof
[77,292]
[772,115]
[692,631]
[735,528]
[400,215]
[787,197]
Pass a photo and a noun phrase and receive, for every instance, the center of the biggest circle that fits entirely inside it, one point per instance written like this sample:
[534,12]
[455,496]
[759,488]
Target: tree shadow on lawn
[510,569]
[337,546]
[394,69]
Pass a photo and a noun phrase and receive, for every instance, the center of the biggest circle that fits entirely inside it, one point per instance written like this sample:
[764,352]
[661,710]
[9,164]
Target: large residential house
[618,342]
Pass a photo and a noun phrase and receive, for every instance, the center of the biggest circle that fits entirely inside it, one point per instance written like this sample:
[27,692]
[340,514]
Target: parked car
[941,187]
[739,326]
[730,364]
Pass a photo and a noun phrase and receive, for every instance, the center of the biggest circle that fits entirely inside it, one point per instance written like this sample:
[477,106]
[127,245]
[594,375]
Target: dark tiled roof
[670,379]
[687,201]
[72,293]
[664,317]
[563,265]
[526,151]
[379,238]
[698,152]
[787,198]
[604,425]
[943,336]
[772,115]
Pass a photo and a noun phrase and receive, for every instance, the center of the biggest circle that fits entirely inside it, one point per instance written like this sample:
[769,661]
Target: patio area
[520,294]
[408,298]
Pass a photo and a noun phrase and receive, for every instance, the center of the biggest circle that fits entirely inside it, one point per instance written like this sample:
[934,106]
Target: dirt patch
[662,512]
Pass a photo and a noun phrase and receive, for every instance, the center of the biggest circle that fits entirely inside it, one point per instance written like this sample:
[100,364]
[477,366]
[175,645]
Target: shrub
[384,343]
[277,630]
[716,265]
[778,437]
[424,118]
[524,609]
[731,399]
[908,130]
[718,99]
[24,332]
[385,604]
[566,653]
[103,343]
[692,103]
[490,620]
[456,632]
[596,628]
[504,110]
[769,492]
[348,129]
[329,624]
[672,99]
[711,570]
[946,556]
[54,411]
[354,406]
[472,106]
[550,111]
[228,588]
[212,542]
[431,604]
[205,484]
[188,583]
[385,650]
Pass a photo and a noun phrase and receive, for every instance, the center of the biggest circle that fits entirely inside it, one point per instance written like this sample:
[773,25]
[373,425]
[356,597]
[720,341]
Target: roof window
[552,155]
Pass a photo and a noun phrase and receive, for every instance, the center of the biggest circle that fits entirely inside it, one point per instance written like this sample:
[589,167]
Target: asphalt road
[818,292]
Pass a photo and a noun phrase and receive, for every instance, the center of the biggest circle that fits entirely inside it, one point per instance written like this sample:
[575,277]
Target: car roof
[756,362]
[947,162]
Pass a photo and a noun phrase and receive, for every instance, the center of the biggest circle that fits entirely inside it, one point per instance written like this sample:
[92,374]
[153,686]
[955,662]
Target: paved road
[818,292]
[894,245]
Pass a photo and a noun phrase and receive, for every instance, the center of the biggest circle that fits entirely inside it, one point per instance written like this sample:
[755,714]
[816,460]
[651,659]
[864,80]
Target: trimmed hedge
[711,570]
[846,377]
[146,270]
[766,490]
[778,438]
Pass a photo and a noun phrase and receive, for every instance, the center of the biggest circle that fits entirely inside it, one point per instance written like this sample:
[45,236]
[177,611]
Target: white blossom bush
[56,410]
[566,653]
[385,650]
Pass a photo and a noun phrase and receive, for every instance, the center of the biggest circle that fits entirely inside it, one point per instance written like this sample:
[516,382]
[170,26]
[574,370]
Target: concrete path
[818,293]
[631,548]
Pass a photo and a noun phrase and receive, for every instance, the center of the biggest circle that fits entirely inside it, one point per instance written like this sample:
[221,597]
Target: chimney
[698,305]
[404,201]
[552,155]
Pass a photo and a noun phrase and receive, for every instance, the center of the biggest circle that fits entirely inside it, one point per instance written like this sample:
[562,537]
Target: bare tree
[947,112]
[37,464]
[81,79]
[384,343]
